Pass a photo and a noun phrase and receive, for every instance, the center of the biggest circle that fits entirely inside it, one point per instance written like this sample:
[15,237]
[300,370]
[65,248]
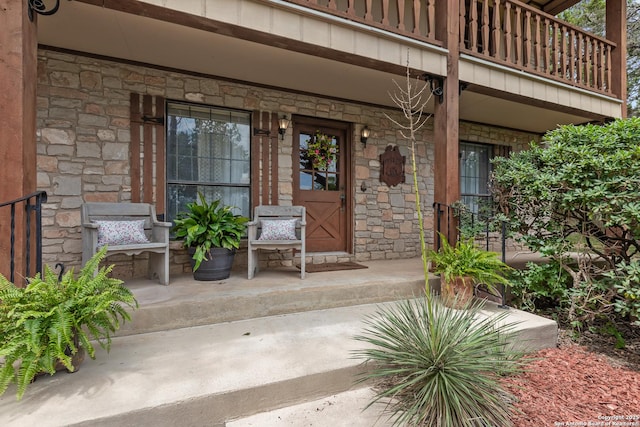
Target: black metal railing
[32,205]
[474,217]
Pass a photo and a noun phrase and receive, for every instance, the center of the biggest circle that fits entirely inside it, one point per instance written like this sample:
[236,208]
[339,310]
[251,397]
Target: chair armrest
[252,230]
[90,225]
[162,224]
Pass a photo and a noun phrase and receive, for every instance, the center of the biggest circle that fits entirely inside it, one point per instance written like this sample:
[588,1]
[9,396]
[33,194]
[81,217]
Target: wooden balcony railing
[507,32]
[411,18]
[519,36]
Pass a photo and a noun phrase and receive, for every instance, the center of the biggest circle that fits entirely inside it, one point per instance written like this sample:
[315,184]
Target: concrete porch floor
[209,353]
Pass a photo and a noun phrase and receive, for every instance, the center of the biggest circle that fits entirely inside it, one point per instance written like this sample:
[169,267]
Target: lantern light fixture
[283,125]
[364,135]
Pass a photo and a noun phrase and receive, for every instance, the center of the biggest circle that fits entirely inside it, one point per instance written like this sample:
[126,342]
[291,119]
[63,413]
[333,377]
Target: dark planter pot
[217,267]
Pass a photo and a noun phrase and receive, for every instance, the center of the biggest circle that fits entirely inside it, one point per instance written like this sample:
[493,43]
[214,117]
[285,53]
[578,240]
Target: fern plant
[49,321]
[464,259]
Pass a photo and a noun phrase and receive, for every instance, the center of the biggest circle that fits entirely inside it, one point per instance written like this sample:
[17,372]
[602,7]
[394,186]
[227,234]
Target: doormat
[333,266]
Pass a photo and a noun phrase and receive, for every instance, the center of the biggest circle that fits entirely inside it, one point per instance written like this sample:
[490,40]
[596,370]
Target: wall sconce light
[39,7]
[364,135]
[436,85]
[283,125]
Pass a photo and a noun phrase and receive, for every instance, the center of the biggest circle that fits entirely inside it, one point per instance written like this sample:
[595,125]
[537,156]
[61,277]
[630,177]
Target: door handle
[343,200]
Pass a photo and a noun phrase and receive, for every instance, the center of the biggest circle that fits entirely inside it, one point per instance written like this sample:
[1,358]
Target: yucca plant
[50,321]
[438,367]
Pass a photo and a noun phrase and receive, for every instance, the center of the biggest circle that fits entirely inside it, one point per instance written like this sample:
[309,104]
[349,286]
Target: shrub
[579,192]
[540,286]
[439,367]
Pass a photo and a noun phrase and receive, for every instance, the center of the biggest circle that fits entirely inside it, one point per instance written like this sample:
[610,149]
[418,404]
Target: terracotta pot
[76,361]
[457,293]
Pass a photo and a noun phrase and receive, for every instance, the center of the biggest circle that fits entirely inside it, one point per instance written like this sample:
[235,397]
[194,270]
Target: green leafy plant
[464,259]
[438,367]
[577,196]
[209,225]
[50,320]
[541,286]
[627,286]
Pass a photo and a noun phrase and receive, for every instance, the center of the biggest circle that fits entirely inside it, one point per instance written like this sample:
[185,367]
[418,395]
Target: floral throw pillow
[280,229]
[121,232]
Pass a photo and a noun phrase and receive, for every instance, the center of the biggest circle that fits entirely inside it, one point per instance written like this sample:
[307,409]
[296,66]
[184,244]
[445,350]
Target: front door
[320,162]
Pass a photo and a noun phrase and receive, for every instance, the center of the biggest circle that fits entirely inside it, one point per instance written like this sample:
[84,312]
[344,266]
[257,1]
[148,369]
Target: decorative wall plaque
[392,166]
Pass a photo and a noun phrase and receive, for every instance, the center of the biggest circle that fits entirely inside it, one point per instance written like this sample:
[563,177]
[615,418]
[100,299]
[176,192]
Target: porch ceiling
[86,28]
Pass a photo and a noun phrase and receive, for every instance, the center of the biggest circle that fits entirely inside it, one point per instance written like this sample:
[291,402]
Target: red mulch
[570,386]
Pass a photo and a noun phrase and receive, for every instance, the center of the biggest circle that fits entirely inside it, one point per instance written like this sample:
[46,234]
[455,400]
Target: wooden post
[446,120]
[18,78]
[617,33]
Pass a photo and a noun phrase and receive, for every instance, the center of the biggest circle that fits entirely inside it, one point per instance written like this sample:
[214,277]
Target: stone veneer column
[18,72]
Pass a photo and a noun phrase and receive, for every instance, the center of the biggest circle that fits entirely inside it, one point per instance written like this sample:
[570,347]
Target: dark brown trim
[147,143]
[255,162]
[510,129]
[134,146]
[446,124]
[161,161]
[264,157]
[616,24]
[273,152]
[520,99]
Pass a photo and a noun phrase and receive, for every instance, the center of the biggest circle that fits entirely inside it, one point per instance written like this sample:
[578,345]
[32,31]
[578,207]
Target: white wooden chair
[134,229]
[276,228]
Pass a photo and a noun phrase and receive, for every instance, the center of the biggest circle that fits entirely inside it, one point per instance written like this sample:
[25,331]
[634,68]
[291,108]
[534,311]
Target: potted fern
[212,235]
[49,324]
[462,266]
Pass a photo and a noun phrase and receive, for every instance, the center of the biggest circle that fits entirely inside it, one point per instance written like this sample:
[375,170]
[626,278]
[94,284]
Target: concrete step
[209,375]
[186,302]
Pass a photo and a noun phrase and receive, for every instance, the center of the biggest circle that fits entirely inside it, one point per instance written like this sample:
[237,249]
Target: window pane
[319,169]
[208,150]
[178,195]
[475,168]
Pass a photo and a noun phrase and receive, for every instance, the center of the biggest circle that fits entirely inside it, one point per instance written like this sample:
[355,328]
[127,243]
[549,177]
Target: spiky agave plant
[48,321]
[438,367]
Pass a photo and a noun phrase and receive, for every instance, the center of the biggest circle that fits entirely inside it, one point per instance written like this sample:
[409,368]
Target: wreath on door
[321,151]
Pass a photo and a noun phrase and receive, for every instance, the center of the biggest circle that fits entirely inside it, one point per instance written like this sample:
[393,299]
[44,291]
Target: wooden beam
[616,23]
[18,78]
[446,124]
[556,6]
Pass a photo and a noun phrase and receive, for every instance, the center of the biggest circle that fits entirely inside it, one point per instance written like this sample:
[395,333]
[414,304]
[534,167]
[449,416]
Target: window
[475,168]
[208,151]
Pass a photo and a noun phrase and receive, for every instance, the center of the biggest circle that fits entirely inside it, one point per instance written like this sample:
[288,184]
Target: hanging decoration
[321,151]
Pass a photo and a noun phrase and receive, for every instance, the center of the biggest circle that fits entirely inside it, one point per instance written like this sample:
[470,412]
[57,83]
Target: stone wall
[83,153]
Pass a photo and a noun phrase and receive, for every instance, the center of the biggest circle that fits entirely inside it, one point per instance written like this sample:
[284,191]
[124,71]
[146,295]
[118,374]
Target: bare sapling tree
[412,100]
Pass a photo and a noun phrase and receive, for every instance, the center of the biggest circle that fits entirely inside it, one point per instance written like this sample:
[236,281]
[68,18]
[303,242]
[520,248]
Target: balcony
[505,32]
